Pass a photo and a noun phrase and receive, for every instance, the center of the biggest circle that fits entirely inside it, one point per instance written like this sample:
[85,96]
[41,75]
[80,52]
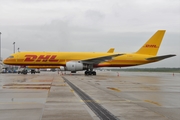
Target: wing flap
[98,60]
[157,58]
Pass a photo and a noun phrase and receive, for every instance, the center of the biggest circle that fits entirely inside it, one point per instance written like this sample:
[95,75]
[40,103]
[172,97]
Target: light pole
[14,46]
[0,46]
[13,67]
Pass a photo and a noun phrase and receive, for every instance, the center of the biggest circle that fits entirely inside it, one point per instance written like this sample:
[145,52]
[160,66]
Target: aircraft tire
[86,72]
[89,73]
[93,73]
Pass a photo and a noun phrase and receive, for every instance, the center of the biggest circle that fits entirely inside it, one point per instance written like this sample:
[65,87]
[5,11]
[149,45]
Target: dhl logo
[40,58]
[150,46]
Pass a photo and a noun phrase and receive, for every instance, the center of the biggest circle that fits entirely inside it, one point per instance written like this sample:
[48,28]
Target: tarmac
[124,95]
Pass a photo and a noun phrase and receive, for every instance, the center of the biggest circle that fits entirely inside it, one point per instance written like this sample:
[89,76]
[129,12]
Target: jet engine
[75,66]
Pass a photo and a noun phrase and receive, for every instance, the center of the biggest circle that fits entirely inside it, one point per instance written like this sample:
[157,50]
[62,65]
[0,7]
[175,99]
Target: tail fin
[151,47]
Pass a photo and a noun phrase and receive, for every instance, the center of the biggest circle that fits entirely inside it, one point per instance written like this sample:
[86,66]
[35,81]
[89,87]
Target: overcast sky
[90,25]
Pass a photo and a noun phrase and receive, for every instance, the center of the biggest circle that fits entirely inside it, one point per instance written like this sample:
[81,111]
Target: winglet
[152,46]
[111,50]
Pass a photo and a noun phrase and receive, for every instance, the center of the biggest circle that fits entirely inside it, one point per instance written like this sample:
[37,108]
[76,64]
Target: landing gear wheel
[90,73]
[93,73]
[86,72]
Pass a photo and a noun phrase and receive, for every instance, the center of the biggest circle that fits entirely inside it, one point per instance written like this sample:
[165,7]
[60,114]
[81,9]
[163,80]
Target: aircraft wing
[160,57]
[98,60]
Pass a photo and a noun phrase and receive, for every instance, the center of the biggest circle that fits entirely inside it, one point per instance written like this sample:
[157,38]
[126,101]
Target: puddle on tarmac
[41,80]
[59,85]
[26,86]
[115,89]
[149,101]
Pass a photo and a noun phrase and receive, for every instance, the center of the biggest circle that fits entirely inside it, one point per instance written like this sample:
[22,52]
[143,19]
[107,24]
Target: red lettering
[52,59]
[151,46]
[30,58]
[43,58]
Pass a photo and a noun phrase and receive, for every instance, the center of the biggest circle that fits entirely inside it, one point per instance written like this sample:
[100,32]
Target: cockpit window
[11,57]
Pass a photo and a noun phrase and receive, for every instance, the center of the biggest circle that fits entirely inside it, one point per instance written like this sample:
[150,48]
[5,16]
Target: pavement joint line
[98,109]
[123,101]
[97,101]
[49,90]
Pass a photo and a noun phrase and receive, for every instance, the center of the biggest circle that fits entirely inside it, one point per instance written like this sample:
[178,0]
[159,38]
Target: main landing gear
[89,72]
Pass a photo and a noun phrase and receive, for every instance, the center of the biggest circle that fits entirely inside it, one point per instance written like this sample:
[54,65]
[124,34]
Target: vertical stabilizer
[111,50]
[151,47]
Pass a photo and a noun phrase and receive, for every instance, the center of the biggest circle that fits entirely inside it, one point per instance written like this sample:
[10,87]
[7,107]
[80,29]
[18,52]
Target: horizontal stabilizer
[160,57]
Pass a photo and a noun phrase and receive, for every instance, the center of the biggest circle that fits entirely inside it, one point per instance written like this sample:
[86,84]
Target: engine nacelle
[74,66]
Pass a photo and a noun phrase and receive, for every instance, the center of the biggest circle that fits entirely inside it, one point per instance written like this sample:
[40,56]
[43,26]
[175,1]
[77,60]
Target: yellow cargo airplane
[42,67]
[78,61]
[111,50]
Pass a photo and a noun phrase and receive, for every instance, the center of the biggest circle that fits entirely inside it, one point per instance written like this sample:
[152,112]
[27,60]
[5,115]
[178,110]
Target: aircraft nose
[8,61]
[5,61]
